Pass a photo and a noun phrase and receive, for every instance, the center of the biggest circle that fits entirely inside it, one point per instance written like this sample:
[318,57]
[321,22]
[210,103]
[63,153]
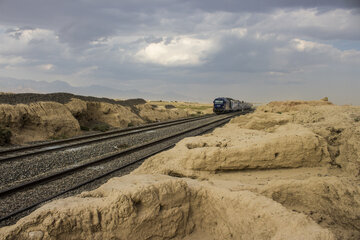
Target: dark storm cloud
[244,47]
[269,5]
[78,22]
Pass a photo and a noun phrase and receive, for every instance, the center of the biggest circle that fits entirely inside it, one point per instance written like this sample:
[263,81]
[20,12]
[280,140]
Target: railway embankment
[36,117]
[290,170]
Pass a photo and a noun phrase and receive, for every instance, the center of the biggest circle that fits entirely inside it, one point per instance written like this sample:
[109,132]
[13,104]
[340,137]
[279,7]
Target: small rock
[36,235]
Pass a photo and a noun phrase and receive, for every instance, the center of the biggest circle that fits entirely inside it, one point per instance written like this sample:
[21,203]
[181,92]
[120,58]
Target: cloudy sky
[255,50]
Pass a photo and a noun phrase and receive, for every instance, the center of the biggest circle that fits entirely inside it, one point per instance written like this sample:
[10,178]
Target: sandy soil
[290,170]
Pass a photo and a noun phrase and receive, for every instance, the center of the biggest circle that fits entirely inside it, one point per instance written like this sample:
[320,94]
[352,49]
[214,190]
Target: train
[225,105]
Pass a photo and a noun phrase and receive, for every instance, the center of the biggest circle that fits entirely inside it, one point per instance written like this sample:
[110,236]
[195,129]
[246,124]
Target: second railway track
[18,197]
[25,151]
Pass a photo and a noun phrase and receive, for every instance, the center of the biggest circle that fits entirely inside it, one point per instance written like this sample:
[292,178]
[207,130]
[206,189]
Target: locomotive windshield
[218,101]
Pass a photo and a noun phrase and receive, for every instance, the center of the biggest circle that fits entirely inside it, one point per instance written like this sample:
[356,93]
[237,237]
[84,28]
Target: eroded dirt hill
[36,117]
[303,155]
[290,170]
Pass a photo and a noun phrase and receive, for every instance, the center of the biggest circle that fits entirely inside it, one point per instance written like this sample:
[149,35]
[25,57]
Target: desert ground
[290,170]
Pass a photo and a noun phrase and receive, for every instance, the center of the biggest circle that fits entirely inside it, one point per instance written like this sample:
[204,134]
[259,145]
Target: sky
[194,50]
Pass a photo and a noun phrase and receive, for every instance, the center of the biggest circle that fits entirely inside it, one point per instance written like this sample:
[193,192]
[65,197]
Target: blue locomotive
[224,105]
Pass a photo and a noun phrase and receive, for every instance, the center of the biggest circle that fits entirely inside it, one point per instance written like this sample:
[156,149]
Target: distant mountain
[27,86]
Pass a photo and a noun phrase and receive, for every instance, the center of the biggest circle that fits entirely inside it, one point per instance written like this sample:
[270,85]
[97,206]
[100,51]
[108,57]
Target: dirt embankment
[35,117]
[290,170]
[303,155]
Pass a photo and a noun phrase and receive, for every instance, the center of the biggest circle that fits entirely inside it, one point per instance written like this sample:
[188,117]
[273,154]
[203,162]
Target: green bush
[169,106]
[5,136]
[102,127]
[84,128]
[59,137]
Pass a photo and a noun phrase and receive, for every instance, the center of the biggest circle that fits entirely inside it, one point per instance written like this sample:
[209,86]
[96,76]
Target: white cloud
[351,56]
[238,32]
[16,40]
[86,71]
[307,46]
[177,52]
[11,60]
[327,51]
[334,24]
[276,73]
[46,67]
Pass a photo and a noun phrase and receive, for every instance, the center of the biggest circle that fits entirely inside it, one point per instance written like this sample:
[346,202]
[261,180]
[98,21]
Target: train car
[224,105]
[221,105]
[245,106]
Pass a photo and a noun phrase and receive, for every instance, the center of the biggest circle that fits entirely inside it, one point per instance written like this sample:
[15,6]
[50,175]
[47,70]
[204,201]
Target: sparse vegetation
[130,124]
[326,99]
[58,137]
[5,136]
[102,127]
[169,106]
[84,128]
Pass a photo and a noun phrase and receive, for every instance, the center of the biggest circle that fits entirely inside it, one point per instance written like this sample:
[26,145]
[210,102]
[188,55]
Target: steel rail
[45,144]
[54,176]
[89,139]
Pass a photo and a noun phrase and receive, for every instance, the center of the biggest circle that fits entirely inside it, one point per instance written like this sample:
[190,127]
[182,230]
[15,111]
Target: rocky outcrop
[261,120]
[231,148]
[160,207]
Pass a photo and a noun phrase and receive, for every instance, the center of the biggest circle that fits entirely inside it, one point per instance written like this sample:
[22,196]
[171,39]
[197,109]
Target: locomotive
[224,105]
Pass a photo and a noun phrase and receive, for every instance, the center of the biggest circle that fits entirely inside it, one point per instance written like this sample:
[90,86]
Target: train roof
[226,98]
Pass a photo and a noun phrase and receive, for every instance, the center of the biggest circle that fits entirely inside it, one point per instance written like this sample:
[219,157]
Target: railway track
[20,198]
[25,151]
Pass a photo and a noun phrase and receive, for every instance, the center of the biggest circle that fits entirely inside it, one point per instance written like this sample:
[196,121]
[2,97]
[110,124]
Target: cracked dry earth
[290,170]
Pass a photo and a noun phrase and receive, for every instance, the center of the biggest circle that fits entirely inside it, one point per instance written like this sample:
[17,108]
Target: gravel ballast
[29,196]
